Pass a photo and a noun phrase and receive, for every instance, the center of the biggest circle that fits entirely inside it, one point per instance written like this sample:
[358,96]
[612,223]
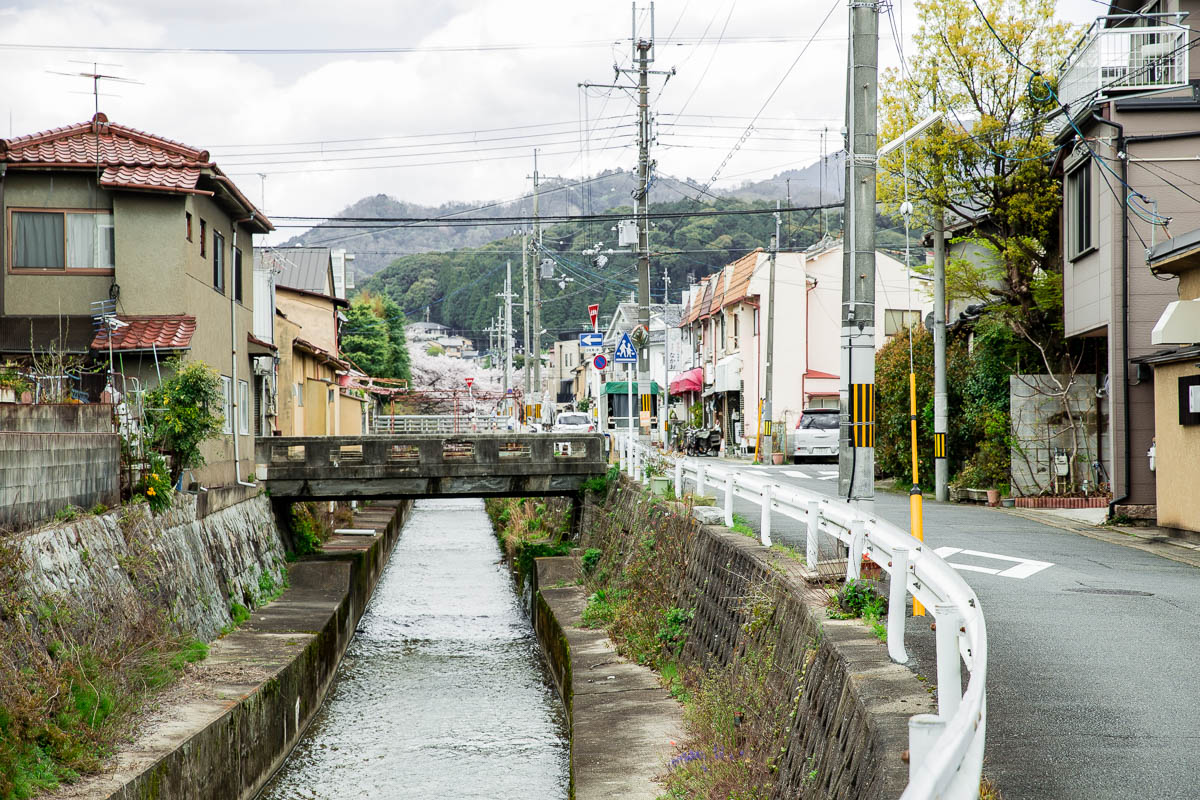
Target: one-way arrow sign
[591,340]
[625,353]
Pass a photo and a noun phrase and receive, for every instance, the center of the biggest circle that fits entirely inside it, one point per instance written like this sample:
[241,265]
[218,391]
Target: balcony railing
[1111,61]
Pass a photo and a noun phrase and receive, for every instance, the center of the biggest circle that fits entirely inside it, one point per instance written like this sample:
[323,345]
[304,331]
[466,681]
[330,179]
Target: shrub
[309,529]
[155,485]
[590,558]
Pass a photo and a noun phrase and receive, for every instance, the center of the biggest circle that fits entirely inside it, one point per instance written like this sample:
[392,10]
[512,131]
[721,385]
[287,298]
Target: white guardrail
[945,749]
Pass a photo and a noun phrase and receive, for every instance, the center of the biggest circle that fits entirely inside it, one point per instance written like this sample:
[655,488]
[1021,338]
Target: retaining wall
[850,733]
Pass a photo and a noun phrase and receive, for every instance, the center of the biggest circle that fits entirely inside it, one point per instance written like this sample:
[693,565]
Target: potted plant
[12,384]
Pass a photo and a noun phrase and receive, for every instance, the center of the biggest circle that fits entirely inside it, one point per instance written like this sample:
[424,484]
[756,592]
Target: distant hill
[375,249]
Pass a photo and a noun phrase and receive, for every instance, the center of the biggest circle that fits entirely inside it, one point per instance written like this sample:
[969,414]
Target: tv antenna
[95,76]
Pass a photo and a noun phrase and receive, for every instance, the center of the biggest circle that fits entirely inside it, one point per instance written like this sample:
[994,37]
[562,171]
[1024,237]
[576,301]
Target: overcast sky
[481,69]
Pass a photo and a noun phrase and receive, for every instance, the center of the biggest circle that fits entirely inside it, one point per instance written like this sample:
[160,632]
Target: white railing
[439,423]
[1125,58]
[945,749]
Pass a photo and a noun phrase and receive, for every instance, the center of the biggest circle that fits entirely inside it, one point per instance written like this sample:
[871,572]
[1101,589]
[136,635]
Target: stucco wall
[1177,451]
[314,315]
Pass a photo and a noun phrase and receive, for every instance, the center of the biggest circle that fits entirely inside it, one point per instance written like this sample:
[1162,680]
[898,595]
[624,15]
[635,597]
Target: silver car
[573,422]
[817,434]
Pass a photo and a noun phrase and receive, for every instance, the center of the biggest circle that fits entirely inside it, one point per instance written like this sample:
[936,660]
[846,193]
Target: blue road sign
[625,353]
[599,361]
[591,340]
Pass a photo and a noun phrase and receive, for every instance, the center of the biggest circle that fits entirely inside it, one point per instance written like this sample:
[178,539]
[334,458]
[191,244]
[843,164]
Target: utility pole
[666,285]
[525,327]
[507,327]
[537,292]
[941,468]
[856,456]
[768,395]
[642,47]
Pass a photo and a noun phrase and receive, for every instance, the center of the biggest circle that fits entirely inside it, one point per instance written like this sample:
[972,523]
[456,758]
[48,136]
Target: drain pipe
[1128,457]
[233,347]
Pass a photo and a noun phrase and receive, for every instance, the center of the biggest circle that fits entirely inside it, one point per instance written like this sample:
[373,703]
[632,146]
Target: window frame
[238,294]
[909,317]
[243,407]
[227,398]
[1079,178]
[10,249]
[218,261]
[203,238]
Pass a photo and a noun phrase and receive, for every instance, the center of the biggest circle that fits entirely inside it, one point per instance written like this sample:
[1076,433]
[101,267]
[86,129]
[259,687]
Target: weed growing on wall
[313,523]
[529,529]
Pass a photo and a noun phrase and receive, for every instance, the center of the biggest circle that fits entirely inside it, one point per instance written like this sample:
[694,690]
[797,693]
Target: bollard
[949,663]
[700,476]
[854,557]
[811,551]
[897,595]
[679,479]
[764,523]
[924,730]
[729,499]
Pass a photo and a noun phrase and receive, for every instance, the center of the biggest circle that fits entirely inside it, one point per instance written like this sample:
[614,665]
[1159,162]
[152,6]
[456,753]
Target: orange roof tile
[148,332]
[739,280]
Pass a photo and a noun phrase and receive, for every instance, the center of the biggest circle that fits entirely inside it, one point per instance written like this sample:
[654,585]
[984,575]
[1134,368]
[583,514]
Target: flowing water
[442,693]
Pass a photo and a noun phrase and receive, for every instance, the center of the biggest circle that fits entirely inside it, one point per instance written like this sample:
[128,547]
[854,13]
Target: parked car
[573,422]
[817,433]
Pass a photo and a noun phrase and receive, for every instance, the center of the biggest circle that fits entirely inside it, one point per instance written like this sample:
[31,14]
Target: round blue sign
[599,361]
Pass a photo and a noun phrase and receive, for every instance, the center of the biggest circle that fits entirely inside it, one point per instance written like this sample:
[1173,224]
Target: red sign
[594,313]
[469,382]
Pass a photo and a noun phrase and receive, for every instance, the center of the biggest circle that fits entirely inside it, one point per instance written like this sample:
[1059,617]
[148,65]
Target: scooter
[703,442]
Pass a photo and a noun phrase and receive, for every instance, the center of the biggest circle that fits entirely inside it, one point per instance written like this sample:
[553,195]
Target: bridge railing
[386,424]
[945,749]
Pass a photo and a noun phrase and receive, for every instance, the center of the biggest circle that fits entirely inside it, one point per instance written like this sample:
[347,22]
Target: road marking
[1023,567]
[795,473]
[825,475]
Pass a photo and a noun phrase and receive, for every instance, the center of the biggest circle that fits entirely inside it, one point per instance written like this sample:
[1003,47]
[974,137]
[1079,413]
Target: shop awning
[690,381]
[622,387]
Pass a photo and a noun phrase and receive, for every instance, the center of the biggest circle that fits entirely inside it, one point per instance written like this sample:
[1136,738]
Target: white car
[817,433]
[573,422]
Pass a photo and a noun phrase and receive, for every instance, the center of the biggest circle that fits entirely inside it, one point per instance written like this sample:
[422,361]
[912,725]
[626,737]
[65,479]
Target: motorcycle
[703,441]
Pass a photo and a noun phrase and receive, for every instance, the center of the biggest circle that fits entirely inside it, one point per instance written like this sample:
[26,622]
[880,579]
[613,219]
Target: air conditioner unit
[264,365]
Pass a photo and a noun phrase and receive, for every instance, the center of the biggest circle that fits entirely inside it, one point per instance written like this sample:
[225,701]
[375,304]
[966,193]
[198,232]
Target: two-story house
[122,248]
[1129,137]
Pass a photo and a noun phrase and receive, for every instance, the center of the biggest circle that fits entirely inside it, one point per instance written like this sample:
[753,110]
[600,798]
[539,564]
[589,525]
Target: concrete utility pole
[941,468]
[856,459]
[525,300]
[643,47]
[504,322]
[768,439]
[537,293]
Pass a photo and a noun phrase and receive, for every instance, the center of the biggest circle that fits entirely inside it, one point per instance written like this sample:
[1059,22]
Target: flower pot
[993,497]
[1008,502]
[777,458]
[7,395]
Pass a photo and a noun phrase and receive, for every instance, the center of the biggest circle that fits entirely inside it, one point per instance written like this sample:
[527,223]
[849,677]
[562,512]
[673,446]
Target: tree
[989,162]
[373,337]
[182,412]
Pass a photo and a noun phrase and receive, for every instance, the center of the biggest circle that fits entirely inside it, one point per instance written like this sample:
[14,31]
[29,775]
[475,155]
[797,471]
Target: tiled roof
[131,159]
[739,280]
[150,332]
[308,269]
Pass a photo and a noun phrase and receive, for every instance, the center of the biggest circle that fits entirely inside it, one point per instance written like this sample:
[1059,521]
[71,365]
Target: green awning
[622,387]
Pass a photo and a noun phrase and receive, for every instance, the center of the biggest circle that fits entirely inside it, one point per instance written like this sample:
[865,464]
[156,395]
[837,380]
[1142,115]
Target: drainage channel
[442,693]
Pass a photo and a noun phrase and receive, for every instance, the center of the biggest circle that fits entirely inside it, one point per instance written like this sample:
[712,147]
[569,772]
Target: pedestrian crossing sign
[625,353]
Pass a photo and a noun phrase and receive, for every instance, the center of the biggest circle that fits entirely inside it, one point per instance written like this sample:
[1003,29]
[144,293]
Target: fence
[946,749]
[439,423]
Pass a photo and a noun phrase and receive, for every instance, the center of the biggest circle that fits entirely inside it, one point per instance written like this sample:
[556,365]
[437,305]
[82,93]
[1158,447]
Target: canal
[442,692]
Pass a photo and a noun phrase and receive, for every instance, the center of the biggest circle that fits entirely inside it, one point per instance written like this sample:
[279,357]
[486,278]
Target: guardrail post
[949,663]
[729,499]
[679,479]
[701,474]
[764,524]
[897,605]
[620,441]
[811,552]
[854,557]
[644,472]
[924,730]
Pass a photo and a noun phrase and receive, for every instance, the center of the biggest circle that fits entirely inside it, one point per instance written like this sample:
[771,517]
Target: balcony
[1115,61]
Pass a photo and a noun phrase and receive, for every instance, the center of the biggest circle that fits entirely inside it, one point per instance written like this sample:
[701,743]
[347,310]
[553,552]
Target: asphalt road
[1092,686]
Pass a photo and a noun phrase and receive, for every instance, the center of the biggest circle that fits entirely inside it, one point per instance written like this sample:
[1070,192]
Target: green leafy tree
[373,337]
[183,412]
[989,161]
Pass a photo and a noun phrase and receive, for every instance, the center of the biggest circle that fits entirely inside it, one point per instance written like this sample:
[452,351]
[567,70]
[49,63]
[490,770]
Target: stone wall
[850,733]
[52,456]
[1040,428]
[100,562]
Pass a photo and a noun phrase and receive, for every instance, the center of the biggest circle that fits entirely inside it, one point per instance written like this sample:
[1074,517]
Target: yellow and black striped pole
[915,500]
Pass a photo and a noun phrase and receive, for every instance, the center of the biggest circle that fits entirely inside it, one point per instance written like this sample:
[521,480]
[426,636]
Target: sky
[457,116]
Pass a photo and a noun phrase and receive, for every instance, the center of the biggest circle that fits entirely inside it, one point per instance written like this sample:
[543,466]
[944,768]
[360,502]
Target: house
[122,248]
[560,376]
[1176,366]
[725,335]
[1128,168]
[663,337]
[316,396]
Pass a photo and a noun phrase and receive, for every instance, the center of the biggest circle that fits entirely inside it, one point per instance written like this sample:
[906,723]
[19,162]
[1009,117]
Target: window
[897,320]
[237,275]
[219,262]
[62,240]
[300,395]
[735,330]
[1079,210]
[227,408]
[722,332]
[187,215]
[243,399]
[203,238]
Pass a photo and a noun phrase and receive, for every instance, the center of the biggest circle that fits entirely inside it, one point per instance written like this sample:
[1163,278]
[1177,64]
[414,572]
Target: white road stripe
[1023,568]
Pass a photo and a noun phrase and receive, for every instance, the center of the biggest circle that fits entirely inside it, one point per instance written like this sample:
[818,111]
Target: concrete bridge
[504,464]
